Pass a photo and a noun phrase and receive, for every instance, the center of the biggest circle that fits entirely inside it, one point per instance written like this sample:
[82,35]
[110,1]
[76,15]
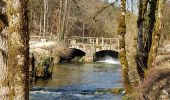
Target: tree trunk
[148,30]
[45,17]
[63,13]
[4,88]
[64,19]
[140,45]
[122,52]
[156,33]
[59,21]
[132,4]
[149,25]
[18,49]
[40,25]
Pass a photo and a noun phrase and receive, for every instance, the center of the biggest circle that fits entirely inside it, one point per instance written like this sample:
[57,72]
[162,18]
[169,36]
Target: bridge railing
[80,40]
[92,40]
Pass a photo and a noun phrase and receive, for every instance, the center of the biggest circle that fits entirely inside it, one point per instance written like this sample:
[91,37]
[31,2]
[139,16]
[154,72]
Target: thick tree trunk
[150,26]
[122,53]
[156,33]
[18,49]
[148,30]
[140,45]
[4,88]
[152,23]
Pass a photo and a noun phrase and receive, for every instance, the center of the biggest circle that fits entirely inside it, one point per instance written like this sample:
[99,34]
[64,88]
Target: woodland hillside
[82,18]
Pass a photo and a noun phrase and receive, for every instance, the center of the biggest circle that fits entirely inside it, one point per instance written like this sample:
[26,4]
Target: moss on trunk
[122,53]
[18,49]
[142,19]
[156,33]
[4,88]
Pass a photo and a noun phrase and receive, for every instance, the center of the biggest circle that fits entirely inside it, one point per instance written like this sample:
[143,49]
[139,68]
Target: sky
[129,5]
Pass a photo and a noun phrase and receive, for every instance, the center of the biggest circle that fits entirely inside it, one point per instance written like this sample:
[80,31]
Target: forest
[84,49]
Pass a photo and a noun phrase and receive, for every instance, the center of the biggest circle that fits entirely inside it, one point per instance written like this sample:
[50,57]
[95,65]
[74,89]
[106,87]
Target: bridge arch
[74,52]
[77,52]
[103,54]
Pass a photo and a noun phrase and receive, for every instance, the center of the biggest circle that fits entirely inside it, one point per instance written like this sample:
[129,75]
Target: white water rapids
[109,60]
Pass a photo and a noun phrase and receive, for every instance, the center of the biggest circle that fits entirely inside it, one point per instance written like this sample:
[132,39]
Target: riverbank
[44,55]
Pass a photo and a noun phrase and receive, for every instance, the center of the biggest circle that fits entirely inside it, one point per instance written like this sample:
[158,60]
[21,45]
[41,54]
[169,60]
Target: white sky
[129,4]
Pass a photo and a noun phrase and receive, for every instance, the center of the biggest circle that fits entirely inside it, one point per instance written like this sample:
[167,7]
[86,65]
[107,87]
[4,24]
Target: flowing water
[109,60]
[78,81]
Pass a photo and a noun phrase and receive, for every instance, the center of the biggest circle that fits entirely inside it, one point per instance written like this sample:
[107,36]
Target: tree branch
[98,12]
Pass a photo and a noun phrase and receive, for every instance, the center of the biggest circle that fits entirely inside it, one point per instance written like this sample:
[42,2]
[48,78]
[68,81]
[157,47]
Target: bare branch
[98,12]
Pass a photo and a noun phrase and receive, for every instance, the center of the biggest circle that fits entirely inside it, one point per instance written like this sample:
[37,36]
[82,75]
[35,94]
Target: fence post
[102,41]
[97,41]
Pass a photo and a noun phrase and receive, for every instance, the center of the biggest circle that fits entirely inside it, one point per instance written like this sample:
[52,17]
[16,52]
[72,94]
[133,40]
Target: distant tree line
[64,18]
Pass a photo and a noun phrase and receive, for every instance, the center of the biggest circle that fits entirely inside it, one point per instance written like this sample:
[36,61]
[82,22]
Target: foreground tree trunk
[4,88]
[18,49]
[140,43]
[156,33]
[149,25]
[122,53]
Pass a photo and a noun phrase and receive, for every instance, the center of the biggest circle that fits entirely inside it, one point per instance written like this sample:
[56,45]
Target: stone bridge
[90,45]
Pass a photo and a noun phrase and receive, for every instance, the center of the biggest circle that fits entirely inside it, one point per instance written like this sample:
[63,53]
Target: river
[79,81]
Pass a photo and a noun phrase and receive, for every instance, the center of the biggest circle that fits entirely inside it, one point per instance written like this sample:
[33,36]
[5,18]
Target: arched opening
[105,55]
[72,55]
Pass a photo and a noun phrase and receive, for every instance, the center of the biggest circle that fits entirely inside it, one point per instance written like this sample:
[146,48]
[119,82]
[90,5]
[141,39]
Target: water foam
[110,60]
